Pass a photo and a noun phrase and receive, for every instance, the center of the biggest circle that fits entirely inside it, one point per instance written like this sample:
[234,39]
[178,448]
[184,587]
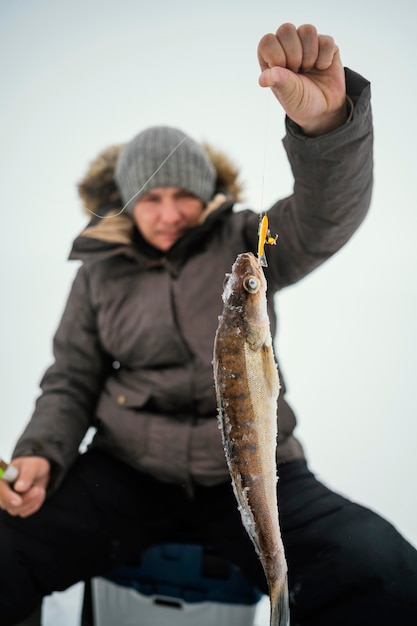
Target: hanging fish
[247,388]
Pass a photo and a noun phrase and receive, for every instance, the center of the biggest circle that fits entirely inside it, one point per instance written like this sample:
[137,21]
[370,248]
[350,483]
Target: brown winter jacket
[133,351]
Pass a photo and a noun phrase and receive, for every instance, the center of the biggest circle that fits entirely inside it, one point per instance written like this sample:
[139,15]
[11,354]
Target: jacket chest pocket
[138,325]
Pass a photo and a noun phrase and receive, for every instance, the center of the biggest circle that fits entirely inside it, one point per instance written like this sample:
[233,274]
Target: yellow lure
[264,237]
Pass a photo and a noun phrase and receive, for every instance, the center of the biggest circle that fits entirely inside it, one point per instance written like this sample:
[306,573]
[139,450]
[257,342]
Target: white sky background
[78,76]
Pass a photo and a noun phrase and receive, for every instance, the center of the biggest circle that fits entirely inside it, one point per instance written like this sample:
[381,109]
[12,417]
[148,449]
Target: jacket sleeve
[70,386]
[332,191]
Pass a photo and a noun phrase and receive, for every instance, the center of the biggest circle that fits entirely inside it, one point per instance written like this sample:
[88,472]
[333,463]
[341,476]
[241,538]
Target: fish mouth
[247,263]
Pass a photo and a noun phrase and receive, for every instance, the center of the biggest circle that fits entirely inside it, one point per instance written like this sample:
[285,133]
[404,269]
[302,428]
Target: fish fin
[280,607]
[271,370]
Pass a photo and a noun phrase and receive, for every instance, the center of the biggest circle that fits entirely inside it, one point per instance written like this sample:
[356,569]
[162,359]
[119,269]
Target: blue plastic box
[175,584]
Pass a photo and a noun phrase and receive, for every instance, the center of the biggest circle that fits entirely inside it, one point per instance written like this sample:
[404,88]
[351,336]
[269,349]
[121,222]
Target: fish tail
[280,609]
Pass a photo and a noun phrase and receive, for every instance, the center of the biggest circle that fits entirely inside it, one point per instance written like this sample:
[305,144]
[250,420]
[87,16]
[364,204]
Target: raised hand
[306,75]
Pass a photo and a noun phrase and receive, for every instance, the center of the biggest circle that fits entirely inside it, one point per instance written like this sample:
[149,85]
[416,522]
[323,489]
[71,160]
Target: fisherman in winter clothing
[133,359]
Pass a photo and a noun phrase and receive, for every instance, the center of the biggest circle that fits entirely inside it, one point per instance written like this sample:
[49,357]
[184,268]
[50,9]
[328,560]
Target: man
[133,358]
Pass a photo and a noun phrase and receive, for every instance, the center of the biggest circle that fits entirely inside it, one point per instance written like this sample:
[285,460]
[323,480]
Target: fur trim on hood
[98,187]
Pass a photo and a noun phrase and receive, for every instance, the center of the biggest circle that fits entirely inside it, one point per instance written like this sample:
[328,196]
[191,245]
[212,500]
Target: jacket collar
[110,233]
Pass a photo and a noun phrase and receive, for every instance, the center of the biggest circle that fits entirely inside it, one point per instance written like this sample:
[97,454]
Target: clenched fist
[306,75]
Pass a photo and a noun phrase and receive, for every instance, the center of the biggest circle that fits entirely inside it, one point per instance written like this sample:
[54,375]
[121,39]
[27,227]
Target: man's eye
[184,193]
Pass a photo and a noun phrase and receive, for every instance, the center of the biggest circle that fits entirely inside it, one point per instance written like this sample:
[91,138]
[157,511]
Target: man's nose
[170,212]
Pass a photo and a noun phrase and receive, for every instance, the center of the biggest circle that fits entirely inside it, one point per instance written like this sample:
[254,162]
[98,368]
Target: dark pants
[347,565]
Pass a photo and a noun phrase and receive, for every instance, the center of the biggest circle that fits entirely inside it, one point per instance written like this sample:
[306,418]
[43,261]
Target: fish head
[244,295]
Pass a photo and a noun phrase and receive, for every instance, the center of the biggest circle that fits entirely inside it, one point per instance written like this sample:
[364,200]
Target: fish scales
[247,388]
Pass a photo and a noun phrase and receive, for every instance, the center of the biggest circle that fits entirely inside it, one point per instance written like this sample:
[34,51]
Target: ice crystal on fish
[227,291]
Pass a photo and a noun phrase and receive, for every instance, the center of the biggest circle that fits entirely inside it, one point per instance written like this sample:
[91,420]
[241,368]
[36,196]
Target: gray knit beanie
[163,157]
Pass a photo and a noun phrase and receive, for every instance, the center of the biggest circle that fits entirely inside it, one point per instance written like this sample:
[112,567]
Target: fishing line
[261,211]
[103,217]
[264,234]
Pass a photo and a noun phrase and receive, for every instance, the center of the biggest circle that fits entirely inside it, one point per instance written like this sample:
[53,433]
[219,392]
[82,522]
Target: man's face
[164,214]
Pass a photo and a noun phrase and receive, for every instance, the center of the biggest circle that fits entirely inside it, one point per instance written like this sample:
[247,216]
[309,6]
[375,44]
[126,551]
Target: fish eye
[251,284]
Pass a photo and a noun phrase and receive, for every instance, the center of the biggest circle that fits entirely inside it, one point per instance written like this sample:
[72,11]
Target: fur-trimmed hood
[98,188]
[101,199]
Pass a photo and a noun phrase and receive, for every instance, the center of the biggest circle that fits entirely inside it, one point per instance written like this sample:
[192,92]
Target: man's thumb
[284,83]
